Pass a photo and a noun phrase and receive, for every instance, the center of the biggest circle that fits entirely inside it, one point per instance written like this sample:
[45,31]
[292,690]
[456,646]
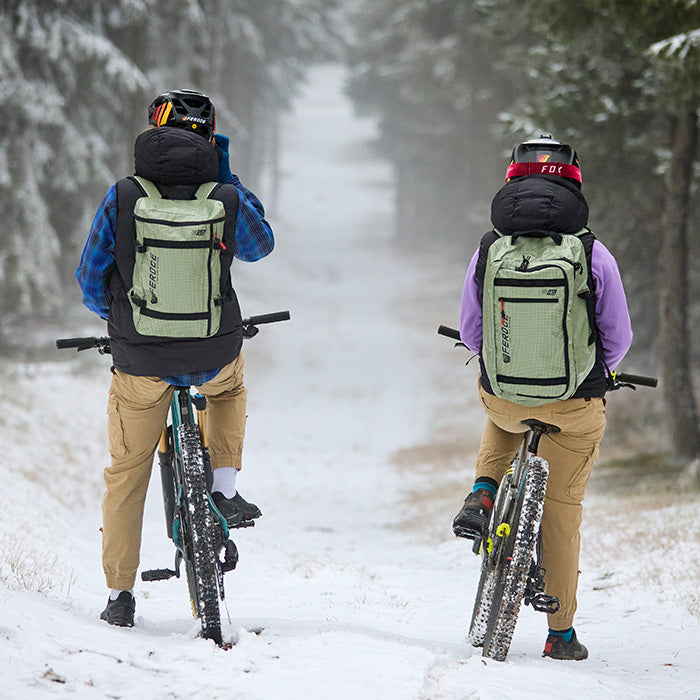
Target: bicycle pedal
[243,523]
[157,574]
[466,533]
[230,556]
[543,603]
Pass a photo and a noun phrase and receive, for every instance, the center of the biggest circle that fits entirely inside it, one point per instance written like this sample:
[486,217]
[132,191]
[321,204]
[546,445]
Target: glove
[221,144]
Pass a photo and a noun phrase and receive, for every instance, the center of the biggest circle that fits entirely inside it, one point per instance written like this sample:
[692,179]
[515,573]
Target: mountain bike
[195,525]
[511,546]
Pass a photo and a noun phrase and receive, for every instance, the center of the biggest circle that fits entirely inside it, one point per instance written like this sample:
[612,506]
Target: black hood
[175,157]
[539,203]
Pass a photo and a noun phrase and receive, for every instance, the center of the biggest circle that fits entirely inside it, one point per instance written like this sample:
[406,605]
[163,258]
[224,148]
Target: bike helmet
[185,109]
[544,156]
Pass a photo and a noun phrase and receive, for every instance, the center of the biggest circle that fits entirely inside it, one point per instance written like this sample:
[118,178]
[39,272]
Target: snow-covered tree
[77,77]
[62,84]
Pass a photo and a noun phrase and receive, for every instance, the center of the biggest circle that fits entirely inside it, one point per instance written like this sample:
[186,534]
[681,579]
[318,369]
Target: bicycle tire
[201,561]
[511,583]
[489,570]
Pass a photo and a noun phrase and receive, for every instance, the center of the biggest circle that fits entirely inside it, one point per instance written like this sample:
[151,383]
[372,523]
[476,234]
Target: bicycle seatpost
[538,428]
[534,440]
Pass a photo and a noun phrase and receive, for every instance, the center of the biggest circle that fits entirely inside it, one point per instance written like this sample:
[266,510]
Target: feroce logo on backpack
[176,289]
[538,336]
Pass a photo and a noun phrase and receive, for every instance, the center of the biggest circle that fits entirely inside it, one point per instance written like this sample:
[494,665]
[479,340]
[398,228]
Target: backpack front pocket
[177,270]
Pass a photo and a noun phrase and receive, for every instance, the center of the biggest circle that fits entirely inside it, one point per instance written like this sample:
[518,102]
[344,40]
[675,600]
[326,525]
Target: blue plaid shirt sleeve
[254,238]
[97,259]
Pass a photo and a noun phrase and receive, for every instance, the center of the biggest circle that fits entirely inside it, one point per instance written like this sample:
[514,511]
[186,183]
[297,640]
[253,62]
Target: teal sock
[485,483]
[566,635]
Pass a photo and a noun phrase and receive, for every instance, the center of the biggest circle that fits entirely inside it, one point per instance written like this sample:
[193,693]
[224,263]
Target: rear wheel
[201,552]
[515,565]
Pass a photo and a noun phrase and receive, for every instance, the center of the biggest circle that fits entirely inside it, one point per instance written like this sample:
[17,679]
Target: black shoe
[120,612]
[236,510]
[472,519]
[556,648]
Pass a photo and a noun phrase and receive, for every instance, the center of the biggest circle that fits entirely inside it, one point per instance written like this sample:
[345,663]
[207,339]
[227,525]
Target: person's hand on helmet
[221,143]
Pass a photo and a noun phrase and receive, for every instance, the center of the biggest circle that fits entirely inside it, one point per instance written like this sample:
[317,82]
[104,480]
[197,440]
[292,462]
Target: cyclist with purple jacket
[543,193]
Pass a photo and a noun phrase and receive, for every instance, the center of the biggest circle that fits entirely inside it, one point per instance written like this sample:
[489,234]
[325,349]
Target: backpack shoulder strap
[587,238]
[487,240]
[205,190]
[148,187]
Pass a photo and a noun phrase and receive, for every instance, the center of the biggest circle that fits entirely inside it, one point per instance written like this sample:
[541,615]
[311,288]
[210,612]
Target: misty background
[454,84]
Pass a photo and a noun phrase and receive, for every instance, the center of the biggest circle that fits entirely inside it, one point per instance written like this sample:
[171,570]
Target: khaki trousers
[136,413]
[570,454]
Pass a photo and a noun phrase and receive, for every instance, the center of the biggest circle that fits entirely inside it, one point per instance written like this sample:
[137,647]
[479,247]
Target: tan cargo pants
[570,454]
[137,409]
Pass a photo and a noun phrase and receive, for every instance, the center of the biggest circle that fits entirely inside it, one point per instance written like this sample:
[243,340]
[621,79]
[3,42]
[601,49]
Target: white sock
[224,480]
[114,593]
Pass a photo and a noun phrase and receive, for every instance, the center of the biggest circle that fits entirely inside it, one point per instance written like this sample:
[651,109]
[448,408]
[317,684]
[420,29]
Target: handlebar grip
[267,318]
[63,343]
[636,379]
[449,332]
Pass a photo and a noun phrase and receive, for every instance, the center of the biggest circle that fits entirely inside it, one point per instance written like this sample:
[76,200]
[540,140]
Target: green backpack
[538,330]
[176,280]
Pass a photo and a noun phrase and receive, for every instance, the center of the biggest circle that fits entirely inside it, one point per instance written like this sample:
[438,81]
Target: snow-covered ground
[362,428]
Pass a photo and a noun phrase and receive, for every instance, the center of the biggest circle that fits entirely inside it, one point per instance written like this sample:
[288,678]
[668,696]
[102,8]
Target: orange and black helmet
[185,109]
[544,156]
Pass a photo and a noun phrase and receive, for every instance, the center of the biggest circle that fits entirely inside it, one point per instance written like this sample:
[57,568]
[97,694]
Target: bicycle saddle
[540,427]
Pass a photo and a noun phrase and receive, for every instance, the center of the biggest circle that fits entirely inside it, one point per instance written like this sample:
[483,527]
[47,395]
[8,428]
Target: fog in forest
[451,85]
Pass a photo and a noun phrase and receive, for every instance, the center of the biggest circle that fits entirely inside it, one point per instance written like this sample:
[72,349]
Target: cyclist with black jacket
[179,153]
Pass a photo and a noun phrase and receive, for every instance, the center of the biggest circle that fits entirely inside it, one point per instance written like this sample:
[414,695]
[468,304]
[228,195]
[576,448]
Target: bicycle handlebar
[267,318]
[102,344]
[449,332]
[617,379]
[622,378]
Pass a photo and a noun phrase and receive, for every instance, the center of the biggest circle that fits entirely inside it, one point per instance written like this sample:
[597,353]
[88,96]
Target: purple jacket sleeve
[470,320]
[612,316]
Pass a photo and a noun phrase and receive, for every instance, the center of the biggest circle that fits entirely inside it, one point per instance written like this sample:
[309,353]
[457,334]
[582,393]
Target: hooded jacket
[178,162]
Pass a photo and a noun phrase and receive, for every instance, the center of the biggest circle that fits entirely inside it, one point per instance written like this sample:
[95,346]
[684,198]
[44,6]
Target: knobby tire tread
[203,569]
[512,581]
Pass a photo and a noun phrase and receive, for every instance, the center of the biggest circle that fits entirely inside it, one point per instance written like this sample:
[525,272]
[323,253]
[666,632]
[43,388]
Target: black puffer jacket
[543,203]
[178,162]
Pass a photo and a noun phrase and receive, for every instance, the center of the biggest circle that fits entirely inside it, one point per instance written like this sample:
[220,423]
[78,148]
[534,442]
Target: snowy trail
[360,423]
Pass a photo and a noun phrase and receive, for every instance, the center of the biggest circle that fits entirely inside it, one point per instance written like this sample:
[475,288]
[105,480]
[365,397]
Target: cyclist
[178,153]
[546,199]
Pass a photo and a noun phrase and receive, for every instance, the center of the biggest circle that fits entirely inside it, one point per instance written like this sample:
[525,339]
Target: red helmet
[544,156]
[185,109]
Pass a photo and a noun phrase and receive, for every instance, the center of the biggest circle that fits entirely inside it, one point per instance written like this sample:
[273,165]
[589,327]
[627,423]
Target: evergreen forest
[454,84]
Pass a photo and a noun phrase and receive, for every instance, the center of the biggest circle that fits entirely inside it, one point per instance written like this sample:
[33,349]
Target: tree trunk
[680,403]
